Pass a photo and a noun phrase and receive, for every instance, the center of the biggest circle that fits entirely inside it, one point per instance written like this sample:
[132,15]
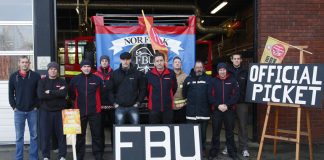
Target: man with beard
[198,89]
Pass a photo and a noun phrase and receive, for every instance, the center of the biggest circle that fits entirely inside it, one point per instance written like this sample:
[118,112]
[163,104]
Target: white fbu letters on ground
[157,142]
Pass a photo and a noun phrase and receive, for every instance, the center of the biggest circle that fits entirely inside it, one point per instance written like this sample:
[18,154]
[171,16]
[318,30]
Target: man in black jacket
[242,108]
[24,102]
[227,95]
[129,90]
[198,90]
[52,91]
[84,90]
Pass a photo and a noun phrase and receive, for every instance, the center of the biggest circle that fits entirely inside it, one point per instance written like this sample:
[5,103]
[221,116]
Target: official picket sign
[286,83]
[178,142]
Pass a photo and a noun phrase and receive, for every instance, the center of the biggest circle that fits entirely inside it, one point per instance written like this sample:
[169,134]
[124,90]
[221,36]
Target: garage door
[7,127]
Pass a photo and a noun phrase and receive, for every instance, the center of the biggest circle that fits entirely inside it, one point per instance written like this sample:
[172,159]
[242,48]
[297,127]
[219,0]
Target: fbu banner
[114,40]
[169,142]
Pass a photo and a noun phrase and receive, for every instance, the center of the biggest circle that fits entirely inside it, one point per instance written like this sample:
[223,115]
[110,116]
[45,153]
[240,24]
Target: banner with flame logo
[114,40]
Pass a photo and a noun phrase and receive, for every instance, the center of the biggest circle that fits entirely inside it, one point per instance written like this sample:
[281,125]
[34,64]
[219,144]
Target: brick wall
[298,22]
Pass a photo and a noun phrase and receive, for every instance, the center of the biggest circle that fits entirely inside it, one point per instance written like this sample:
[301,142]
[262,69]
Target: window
[16,10]
[16,35]
[9,64]
[16,38]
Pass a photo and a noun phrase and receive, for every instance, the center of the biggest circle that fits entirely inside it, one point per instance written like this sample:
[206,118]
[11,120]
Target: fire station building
[47,30]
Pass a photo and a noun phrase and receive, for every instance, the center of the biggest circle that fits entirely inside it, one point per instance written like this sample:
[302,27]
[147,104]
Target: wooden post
[310,145]
[264,131]
[298,132]
[275,132]
[301,54]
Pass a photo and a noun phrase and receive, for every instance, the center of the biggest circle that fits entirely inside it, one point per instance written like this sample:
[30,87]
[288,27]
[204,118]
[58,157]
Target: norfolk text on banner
[286,83]
[274,51]
[71,121]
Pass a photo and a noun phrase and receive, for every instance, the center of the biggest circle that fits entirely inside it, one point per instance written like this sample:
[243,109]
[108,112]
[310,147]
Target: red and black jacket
[84,90]
[161,88]
[226,91]
[105,76]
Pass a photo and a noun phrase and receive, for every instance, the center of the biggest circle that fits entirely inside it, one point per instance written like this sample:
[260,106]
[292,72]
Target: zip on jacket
[23,91]
[84,90]
[161,88]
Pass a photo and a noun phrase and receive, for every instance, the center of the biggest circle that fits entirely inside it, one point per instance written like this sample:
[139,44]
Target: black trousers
[158,117]
[179,116]
[51,123]
[95,127]
[228,118]
[107,121]
[203,130]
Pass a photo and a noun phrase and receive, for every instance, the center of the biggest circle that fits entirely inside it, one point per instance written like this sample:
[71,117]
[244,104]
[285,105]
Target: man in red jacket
[84,90]
[227,95]
[162,85]
[107,110]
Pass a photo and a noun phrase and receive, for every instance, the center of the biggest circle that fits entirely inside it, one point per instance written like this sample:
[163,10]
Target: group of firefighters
[109,97]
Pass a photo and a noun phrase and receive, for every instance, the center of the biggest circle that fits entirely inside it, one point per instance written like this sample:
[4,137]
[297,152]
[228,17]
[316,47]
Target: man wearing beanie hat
[85,62]
[105,57]
[227,91]
[85,91]
[52,91]
[220,66]
[53,65]
[104,72]
[241,75]
[129,90]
